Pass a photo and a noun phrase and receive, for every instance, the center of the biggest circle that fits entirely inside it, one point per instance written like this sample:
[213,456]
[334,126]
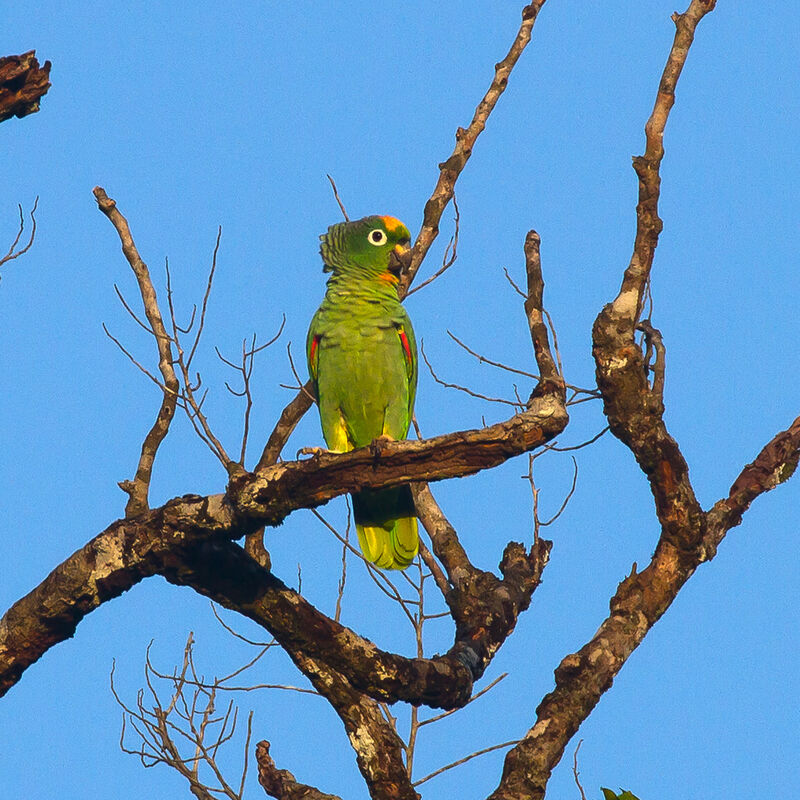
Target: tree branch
[450,170]
[775,464]
[130,549]
[13,252]
[376,743]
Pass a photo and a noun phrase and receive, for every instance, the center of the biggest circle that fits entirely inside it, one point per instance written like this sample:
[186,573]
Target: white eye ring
[376,237]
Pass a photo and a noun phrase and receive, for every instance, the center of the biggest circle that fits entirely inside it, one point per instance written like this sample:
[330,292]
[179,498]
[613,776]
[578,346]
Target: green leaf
[623,795]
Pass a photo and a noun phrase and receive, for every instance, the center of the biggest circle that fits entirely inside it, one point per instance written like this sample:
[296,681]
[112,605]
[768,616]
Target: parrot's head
[368,246]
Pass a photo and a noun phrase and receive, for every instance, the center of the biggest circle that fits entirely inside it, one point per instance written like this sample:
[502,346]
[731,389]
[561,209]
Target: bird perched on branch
[362,359]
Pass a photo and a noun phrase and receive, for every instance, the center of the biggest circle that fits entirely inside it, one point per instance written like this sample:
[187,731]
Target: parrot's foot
[378,443]
[311,451]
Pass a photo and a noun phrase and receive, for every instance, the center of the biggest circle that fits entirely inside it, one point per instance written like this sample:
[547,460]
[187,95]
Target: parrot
[362,361]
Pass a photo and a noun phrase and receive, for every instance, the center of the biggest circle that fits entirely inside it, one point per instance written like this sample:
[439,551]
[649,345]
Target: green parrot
[362,359]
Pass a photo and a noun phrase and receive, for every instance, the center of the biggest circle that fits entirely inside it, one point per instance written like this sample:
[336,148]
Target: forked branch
[138,489]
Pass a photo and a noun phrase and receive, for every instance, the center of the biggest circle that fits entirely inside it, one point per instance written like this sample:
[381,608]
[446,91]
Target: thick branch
[280,489]
[140,486]
[484,607]
[226,574]
[640,600]
[111,563]
[132,549]
[23,83]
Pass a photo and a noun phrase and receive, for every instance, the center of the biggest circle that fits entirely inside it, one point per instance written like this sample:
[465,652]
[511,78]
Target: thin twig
[11,254]
[133,359]
[465,759]
[380,579]
[337,615]
[236,634]
[450,253]
[193,721]
[204,305]
[484,360]
[472,699]
[300,385]
[131,311]
[575,770]
[245,370]
[338,199]
[513,284]
[466,138]
[463,388]
[189,402]
[567,498]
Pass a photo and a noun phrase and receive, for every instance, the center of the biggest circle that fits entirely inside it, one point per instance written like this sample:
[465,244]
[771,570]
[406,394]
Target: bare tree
[191,540]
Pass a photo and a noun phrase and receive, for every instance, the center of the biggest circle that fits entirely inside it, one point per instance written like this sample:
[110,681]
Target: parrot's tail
[386,524]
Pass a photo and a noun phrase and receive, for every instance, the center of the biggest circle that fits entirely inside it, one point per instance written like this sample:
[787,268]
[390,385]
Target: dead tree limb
[450,170]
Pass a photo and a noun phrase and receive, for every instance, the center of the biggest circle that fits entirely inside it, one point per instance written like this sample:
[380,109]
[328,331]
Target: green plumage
[362,358]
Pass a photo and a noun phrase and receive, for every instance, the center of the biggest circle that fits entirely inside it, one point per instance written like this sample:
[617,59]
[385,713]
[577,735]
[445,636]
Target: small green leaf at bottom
[623,795]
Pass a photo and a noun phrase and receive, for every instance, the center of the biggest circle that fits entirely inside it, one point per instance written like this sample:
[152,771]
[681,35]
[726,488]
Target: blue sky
[194,117]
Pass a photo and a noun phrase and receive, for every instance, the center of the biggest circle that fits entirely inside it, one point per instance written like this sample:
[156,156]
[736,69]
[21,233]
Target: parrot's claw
[311,451]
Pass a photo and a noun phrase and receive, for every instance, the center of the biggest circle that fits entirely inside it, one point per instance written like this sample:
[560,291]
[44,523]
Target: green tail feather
[387,526]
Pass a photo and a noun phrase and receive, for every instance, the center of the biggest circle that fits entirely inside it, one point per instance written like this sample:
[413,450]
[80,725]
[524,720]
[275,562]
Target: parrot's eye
[376,237]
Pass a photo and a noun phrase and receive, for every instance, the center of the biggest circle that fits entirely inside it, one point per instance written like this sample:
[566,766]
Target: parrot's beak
[397,258]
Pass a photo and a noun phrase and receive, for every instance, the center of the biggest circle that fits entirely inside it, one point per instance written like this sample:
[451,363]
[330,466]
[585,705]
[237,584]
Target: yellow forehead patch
[392,224]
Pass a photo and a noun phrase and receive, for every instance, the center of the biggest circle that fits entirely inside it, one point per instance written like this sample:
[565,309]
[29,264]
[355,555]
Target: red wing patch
[406,347]
[312,354]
